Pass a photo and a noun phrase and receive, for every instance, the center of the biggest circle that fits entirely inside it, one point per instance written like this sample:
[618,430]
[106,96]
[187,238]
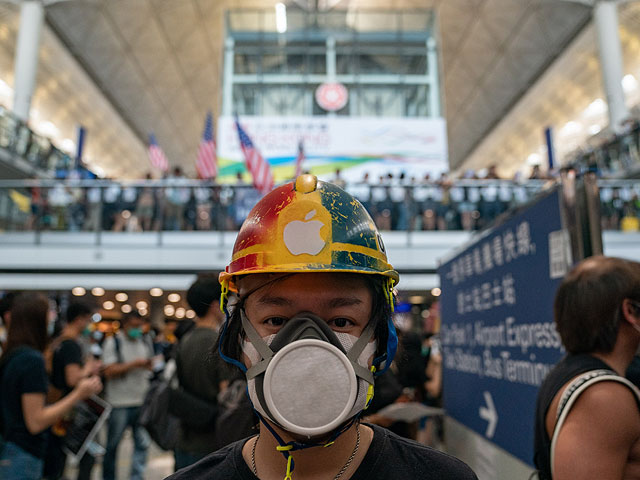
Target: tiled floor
[159,463]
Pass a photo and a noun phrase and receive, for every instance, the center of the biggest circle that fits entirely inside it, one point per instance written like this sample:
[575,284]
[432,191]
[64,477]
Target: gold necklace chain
[338,475]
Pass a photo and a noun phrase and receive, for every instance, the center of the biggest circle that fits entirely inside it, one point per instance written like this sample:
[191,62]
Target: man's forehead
[317,281]
[250,283]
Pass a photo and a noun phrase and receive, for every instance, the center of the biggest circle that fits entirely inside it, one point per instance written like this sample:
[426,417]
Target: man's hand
[142,363]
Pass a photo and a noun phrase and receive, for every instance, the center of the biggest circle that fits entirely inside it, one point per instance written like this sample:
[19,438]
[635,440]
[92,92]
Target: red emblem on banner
[332,96]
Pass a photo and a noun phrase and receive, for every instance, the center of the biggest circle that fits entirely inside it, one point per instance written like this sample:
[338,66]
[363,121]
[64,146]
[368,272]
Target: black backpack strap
[116,339]
[575,389]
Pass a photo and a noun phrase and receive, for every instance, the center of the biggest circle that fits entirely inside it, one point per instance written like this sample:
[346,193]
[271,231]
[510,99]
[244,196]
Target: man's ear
[631,311]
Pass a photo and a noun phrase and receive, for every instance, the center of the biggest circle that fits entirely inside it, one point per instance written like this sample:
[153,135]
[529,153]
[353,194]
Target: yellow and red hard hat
[308,226]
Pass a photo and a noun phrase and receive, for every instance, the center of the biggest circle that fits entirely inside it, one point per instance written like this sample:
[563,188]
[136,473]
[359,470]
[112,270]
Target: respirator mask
[307,378]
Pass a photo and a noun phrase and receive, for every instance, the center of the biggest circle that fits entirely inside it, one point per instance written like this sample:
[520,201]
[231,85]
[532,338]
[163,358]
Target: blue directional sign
[498,336]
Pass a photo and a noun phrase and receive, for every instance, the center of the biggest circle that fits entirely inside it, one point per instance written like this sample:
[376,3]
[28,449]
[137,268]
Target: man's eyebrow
[344,302]
[274,301]
[331,303]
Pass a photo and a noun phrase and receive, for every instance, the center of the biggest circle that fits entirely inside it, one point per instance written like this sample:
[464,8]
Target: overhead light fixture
[173,297]
[156,292]
[143,311]
[629,83]
[190,314]
[68,145]
[126,308]
[597,107]
[169,310]
[594,129]
[98,170]
[48,129]
[108,305]
[416,299]
[141,305]
[5,89]
[96,317]
[97,291]
[78,291]
[436,292]
[281,17]
[534,159]
[180,312]
[571,128]
[122,297]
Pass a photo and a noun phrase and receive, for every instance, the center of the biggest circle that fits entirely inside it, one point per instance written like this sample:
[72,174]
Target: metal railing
[38,151]
[191,205]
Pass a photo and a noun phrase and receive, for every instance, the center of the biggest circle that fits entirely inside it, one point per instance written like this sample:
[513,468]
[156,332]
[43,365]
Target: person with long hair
[23,387]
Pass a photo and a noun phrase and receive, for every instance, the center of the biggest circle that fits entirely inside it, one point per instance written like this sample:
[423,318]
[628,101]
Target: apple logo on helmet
[304,237]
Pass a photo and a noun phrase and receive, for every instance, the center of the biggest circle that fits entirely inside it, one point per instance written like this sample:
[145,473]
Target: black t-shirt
[633,371]
[389,457]
[69,352]
[24,373]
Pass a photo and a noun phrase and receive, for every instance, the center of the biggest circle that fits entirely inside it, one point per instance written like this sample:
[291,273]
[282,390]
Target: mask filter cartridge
[322,404]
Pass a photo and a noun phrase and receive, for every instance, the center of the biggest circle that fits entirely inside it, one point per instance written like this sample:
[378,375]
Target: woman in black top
[23,387]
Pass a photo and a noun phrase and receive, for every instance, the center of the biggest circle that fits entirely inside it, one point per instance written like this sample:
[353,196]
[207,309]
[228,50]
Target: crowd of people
[611,154]
[70,360]
[16,137]
[317,352]
[398,202]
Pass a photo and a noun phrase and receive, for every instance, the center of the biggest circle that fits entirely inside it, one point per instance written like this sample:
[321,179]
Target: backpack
[196,413]
[236,419]
[155,417]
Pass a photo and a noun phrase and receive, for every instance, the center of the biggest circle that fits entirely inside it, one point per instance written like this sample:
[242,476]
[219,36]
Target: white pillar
[434,84]
[26,60]
[331,65]
[227,85]
[331,59]
[605,15]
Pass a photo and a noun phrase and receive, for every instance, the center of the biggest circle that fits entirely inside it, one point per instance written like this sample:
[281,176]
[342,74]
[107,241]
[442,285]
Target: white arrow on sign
[489,414]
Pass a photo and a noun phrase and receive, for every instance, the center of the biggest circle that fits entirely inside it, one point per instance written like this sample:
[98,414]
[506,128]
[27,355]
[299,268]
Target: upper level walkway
[56,235]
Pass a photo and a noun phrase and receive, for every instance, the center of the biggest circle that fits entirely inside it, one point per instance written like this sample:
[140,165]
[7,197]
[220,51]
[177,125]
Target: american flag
[256,164]
[299,159]
[207,161]
[156,155]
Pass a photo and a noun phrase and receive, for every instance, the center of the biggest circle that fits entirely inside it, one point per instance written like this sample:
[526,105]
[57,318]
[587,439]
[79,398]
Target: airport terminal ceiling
[159,63]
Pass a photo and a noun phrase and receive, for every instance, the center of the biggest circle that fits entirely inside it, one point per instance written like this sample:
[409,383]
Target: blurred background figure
[127,368]
[431,428]
[23,390]
[5,315]
[200,373]
[68,361]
